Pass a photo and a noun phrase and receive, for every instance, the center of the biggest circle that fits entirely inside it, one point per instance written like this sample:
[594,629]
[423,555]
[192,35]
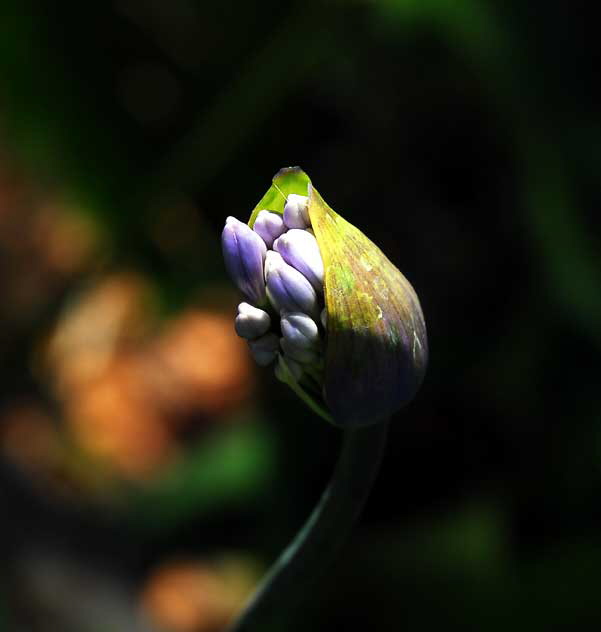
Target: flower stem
[316,544]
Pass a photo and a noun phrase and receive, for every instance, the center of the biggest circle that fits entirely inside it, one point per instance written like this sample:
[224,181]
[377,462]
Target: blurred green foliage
[228,468]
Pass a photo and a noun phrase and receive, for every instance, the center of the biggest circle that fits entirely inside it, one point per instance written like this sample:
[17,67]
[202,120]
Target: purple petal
[264,350]
[269,226]
[244,254]
[251,322]
[300,330]
[299,249]
[287,288]
[296,214]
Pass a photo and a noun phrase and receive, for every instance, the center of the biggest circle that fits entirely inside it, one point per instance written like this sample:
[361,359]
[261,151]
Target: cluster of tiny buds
[278,267]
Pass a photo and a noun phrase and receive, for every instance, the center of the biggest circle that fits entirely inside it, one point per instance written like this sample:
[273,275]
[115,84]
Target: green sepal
[286,181]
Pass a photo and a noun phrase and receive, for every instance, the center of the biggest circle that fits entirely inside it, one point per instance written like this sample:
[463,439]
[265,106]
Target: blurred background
[148,472]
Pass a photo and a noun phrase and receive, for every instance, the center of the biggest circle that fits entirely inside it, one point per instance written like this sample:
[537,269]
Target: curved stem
[317,543]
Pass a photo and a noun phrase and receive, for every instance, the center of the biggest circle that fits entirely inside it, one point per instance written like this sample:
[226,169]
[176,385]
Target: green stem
[316,544]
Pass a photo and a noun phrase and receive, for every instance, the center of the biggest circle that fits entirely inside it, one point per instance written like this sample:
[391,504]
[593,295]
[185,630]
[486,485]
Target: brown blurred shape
[207,364]
[114,416]
[109,317]
[130,388]
[33,440]
[192,596]
[45,240]
[29,437]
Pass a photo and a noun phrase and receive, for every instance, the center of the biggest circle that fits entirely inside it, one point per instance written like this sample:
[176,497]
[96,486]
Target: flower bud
[244,254]
[300,330]
[264,350]
[269,226]
[251,321]
[287,288]
[295,211]
[375,344]
[300,250]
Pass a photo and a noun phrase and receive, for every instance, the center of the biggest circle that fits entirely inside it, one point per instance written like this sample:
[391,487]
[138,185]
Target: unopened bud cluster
[277,265]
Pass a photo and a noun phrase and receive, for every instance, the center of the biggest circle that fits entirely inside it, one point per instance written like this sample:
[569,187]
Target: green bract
[376,345]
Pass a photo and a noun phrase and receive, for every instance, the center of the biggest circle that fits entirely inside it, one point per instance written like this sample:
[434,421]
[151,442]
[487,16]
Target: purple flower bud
[300,354]
[265,349]
[300,250]
[269,226]
[300,330]
[251,322]
[296,214]
[244,254]
[287,288]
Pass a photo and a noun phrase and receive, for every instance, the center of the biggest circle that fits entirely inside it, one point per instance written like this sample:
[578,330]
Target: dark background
[148,472]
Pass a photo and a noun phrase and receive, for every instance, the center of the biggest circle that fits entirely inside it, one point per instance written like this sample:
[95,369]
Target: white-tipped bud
[265,349]
[251,322]
[269,226]
[303,355]
[296,214]
[300,330]
[300,250]
[324,318]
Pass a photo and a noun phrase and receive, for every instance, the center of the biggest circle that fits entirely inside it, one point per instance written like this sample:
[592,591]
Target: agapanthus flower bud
[269,226]
[264,349]
[372,358]
[287,288]
[251,321]
[300,330]
[244,254]
[296,214]
[299,249]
